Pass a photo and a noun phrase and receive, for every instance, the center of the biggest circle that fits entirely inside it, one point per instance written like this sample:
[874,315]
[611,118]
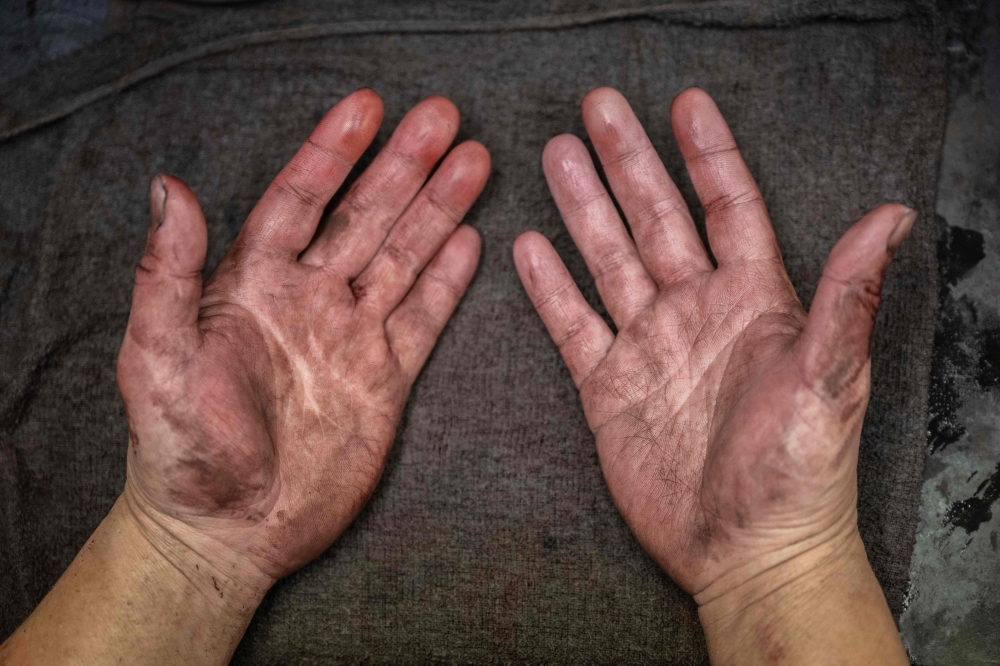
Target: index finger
[285,218]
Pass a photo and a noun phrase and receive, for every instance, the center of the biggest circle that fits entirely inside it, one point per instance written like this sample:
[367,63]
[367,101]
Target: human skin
[727,419]
[262,405]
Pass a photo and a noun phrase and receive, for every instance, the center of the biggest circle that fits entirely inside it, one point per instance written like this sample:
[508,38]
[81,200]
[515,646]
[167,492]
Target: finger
[167,292]
[580,334]
[835,345]
[736,219]
[357,227]
[413,327]
[661,224]
[598,232]
[423,228]
[285,218]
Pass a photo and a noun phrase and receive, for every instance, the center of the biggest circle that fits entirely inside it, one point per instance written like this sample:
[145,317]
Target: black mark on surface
[963,250]
[970,513]
[988,374]
[950,361]
[955,338]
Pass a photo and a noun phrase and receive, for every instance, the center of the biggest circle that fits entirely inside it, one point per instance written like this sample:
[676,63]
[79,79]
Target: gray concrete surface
[953,612]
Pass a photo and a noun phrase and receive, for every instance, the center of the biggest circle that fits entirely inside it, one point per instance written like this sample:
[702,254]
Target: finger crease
[332,153]
[629,155]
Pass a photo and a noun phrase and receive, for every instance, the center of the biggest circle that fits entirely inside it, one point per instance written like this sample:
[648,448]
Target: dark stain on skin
[970,513]
[358,290]
[835,380]
[226,489]
[338,221]
[215,584]
[213,474]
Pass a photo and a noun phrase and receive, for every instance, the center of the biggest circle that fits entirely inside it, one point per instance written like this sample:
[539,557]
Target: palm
[699,369]
[726,420]
[266,422]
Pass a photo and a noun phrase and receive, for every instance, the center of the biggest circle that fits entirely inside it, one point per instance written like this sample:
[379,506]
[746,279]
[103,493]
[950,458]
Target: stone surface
[954,600]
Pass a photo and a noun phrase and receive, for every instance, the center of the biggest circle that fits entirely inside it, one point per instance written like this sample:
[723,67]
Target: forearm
[822,606]
[135,594]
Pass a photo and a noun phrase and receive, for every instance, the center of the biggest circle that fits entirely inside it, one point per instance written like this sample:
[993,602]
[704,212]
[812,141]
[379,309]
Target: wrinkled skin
[727,420]
[263,405]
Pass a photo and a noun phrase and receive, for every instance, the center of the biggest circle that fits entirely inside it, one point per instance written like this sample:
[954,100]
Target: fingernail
[901,231]
[157,202]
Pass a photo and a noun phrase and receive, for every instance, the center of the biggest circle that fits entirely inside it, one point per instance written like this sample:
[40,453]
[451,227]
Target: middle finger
[349,239]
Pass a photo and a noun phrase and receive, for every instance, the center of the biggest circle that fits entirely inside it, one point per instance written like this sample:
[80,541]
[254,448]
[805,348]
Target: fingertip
[529,251]
[179,234]
[157,201]
[884,227]
[874,238]
[605,113]
[562,150]
[696,120]
[175,190]
[351,125]
[475,160]
[480,152]
[602,97]
[527,243]
[369,100]
[690,99]
[433,120]
[886,224]
[444,108]
[902,229]
[469,239]
[427,131]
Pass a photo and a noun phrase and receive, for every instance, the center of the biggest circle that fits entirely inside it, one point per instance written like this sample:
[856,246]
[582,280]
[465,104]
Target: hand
[262,406]
[727,420]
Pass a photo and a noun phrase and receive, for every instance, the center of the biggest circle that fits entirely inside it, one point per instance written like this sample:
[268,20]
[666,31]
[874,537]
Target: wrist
[815,602]
[752,581]
[132,591]
[228,586]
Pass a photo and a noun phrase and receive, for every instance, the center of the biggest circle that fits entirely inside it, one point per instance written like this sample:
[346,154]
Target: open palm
[727,420]
[262,408]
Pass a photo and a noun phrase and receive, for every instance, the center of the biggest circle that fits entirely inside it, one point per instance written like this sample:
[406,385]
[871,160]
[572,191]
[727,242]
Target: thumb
[835,346]
[167,293]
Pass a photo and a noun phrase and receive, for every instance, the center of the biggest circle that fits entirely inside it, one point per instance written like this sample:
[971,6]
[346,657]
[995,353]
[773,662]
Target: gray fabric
[491,537]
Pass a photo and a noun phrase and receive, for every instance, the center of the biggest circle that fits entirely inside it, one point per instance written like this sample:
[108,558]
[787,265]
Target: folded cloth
[492,537]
